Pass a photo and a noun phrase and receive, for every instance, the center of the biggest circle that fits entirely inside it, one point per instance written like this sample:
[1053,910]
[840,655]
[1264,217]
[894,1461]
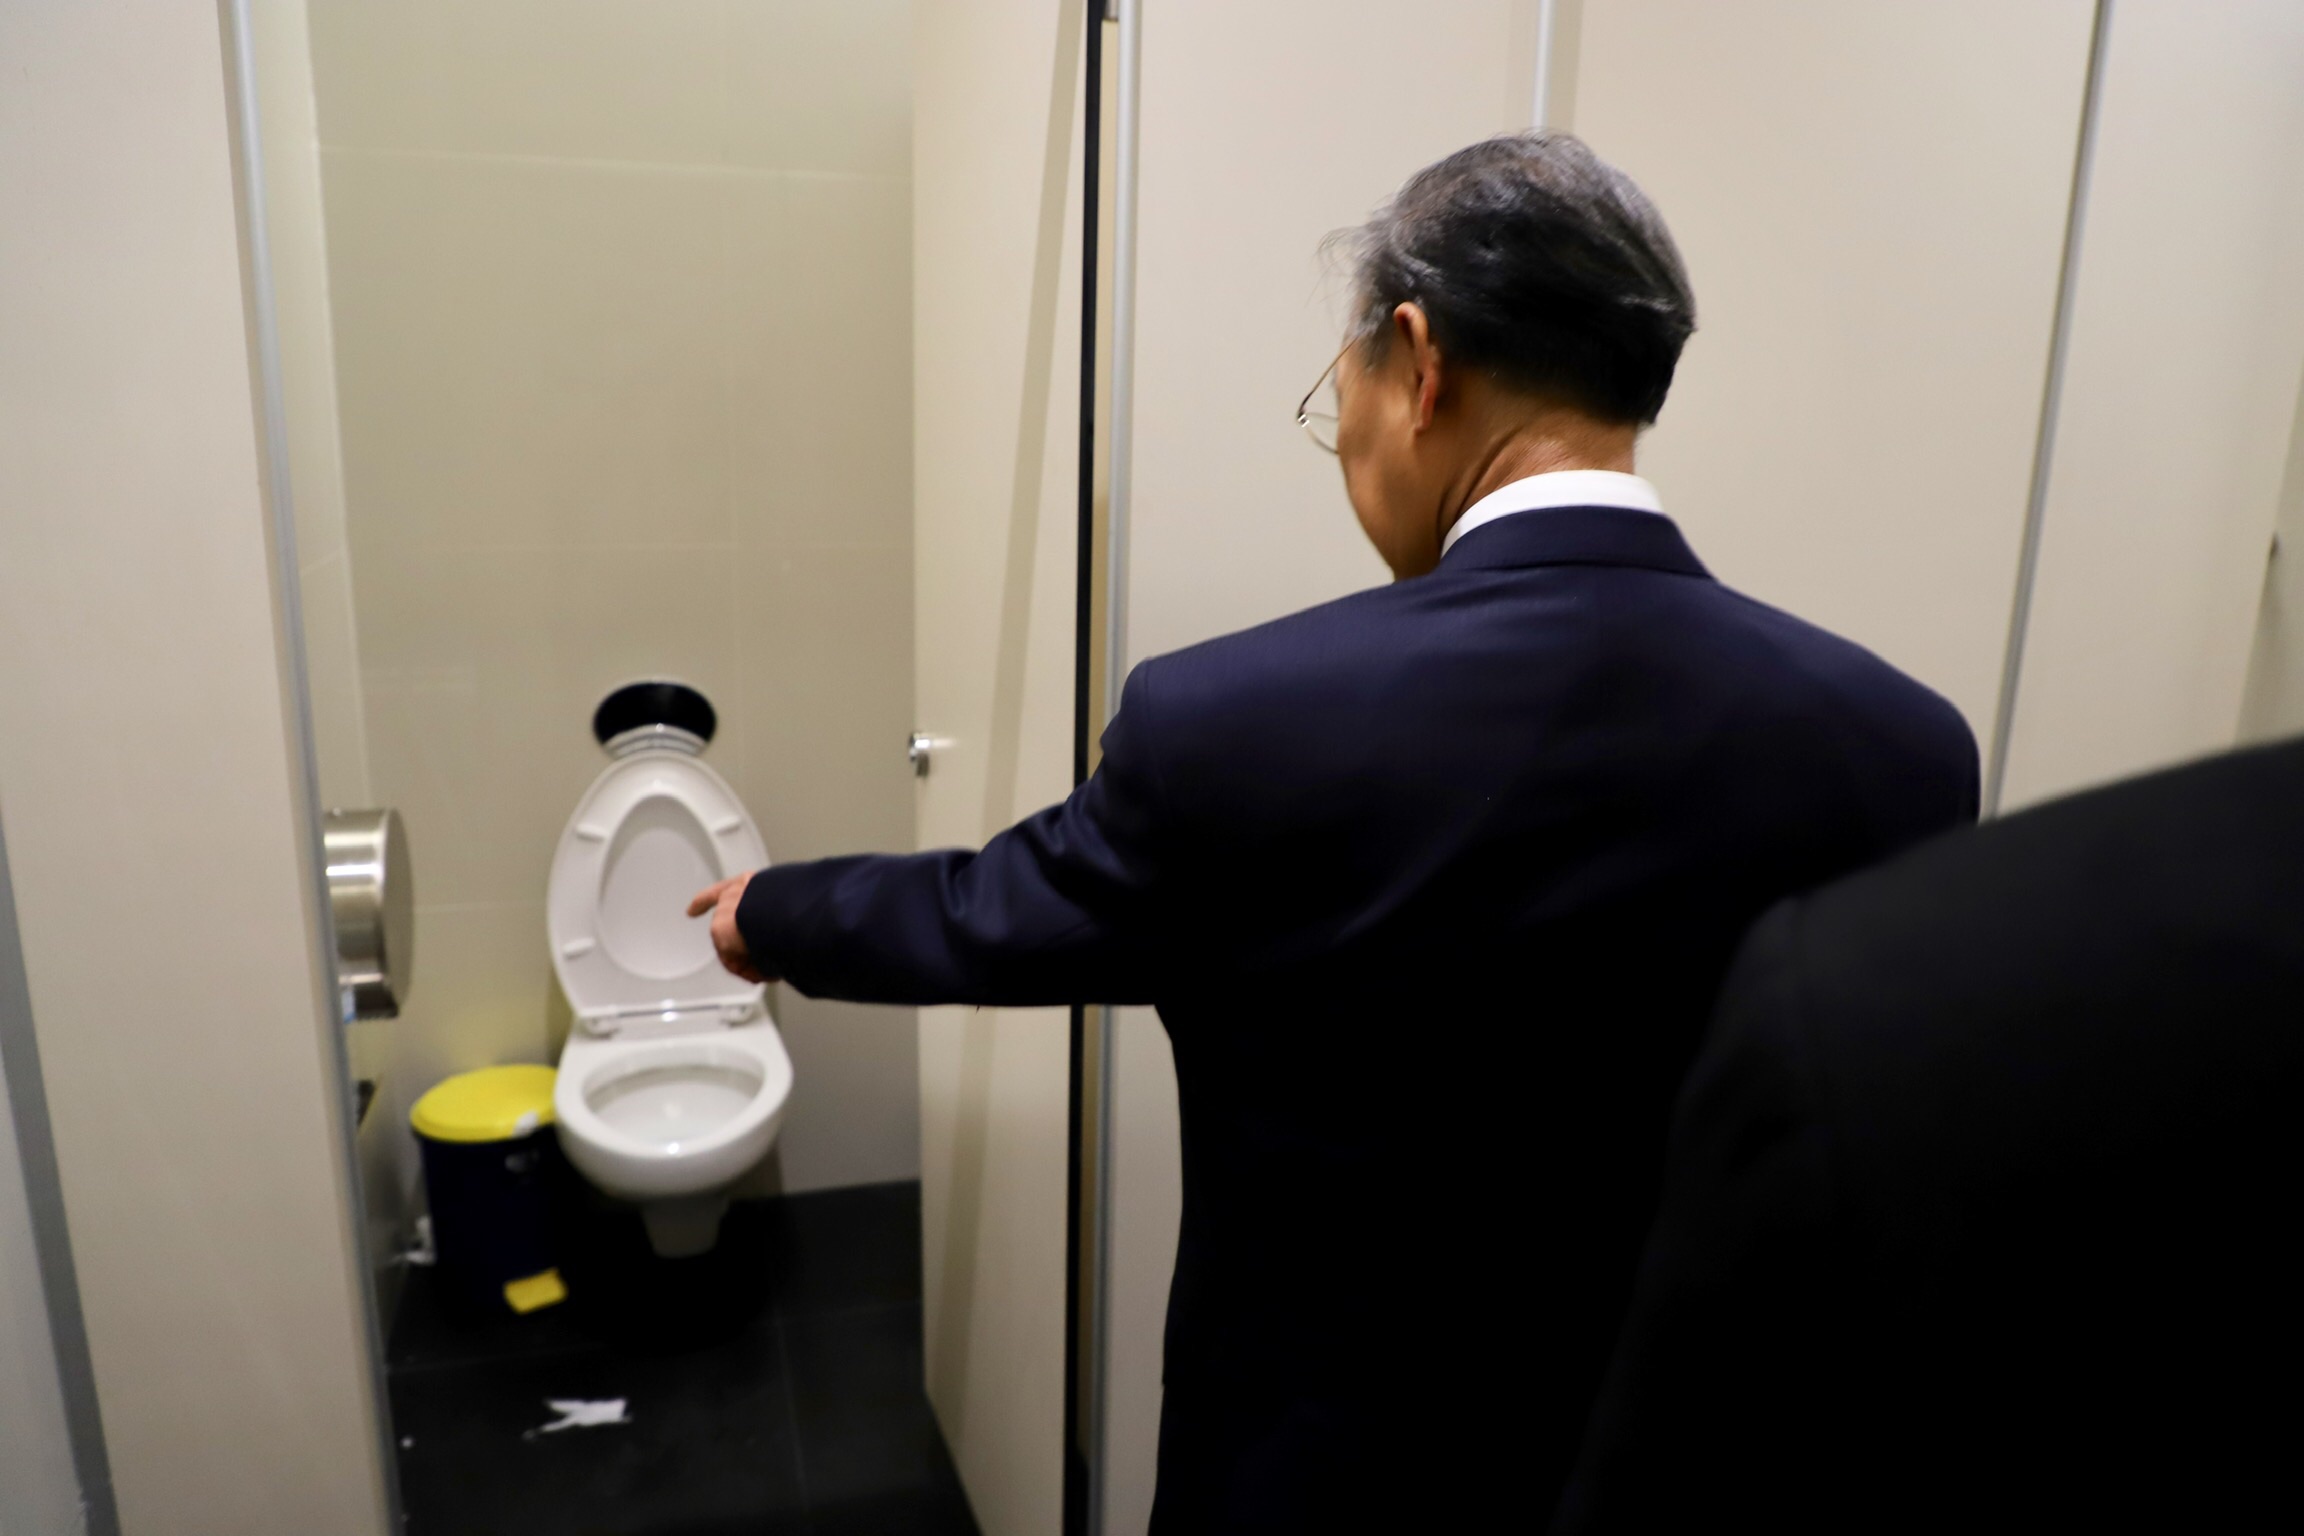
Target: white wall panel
[2179,397]
[1266,128]
[1147,1187]
[295,233]
[2274,704]
[1871,200]
[150,780]
[996,218]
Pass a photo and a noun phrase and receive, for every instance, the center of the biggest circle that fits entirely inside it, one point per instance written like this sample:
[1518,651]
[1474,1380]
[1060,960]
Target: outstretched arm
[1067,906]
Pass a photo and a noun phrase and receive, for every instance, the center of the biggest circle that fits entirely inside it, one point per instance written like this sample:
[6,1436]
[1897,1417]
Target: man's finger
[708,898]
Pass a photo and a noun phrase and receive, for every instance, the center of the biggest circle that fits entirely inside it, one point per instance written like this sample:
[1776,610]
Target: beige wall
[2274,703]
[1871,202]
[288,136]
[996,219]
[2179,400]
[1147,1202]
[298,253]
[622,324]
[1258,138]
[151,786]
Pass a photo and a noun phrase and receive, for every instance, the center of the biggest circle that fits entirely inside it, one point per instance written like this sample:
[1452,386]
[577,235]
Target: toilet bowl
[673,1081]
[670,1124]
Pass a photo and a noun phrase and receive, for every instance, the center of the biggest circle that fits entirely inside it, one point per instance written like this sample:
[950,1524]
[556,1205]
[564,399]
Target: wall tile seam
[697,169]
[382,550]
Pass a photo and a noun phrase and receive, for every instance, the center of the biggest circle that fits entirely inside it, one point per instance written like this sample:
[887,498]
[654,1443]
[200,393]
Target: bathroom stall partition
[2170,506]
[1001,107]
[159,835]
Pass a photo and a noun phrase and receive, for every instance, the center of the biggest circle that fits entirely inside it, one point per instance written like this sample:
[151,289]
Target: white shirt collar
[1560,488]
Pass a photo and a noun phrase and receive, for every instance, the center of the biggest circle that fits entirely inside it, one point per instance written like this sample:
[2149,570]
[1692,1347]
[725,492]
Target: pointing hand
[720,900]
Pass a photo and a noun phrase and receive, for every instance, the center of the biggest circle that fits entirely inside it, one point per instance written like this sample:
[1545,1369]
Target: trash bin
[491,1167]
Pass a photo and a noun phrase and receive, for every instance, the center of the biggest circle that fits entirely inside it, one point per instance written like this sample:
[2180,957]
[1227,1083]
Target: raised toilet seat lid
[656,827]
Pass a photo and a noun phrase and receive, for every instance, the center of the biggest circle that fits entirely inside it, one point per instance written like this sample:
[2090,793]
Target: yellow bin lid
[492,1104]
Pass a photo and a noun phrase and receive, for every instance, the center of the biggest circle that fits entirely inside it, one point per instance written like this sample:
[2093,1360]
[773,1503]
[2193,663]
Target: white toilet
[673,1080]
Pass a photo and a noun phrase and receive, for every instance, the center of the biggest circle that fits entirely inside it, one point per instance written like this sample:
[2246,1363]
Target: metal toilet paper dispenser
[371,897]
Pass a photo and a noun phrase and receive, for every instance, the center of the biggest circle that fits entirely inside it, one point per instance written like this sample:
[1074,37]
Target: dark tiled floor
[773,1385]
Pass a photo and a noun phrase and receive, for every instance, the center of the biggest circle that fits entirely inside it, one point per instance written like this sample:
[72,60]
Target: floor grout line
[792,1409]
[805,1315]
[694,169]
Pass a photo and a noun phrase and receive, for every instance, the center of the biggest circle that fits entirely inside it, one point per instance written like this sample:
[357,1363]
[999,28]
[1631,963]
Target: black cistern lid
[654,702]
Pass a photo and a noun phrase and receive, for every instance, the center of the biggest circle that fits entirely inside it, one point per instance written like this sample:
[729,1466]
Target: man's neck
[1556,441]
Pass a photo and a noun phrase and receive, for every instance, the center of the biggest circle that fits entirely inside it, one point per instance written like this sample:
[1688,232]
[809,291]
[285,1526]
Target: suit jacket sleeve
[1717,1410]
[1066,906]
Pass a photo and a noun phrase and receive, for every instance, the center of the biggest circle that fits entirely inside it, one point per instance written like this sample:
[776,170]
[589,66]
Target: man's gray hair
[1538,262]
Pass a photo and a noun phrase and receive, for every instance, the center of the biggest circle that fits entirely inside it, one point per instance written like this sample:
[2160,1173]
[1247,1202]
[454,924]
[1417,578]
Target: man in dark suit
[1432,885]
[1983,1195]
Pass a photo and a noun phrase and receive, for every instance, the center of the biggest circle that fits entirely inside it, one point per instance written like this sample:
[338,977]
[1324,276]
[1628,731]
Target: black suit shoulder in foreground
[1983,1194]
[1433,886]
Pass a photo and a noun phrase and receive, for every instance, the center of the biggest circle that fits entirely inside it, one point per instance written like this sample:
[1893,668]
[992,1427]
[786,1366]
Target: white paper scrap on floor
[577,1413]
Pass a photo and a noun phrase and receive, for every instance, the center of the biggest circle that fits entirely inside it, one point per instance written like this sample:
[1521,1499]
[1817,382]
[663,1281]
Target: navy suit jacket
[1980,1209]
[1433,887]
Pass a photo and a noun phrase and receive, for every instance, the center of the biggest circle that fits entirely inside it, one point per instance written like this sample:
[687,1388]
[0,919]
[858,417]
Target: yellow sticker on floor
[536,1291]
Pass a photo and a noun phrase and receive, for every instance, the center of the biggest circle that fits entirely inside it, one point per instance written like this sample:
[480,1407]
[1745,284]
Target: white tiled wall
[623,328]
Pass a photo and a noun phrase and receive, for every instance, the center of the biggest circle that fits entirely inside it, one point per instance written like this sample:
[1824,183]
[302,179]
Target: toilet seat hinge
[667,1018]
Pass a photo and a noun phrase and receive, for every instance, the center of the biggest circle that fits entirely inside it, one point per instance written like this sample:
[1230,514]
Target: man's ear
[1412,332]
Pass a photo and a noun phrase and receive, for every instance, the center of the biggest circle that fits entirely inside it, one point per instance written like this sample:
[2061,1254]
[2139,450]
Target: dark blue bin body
[493,1208]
